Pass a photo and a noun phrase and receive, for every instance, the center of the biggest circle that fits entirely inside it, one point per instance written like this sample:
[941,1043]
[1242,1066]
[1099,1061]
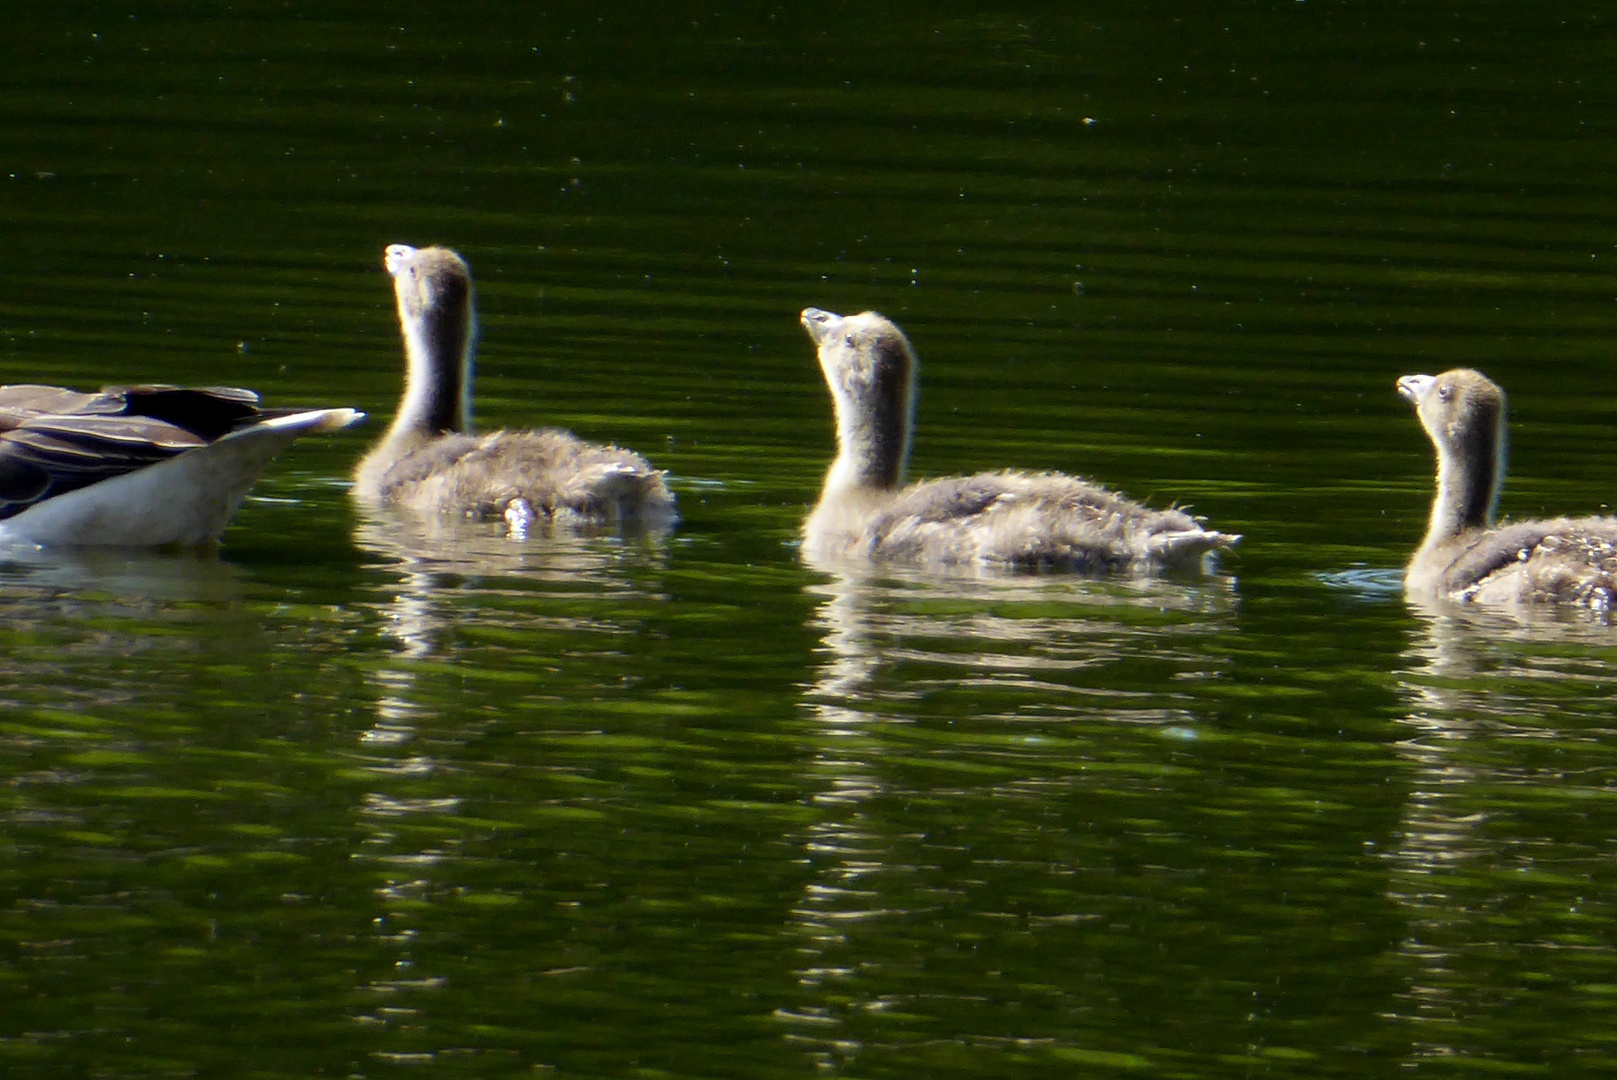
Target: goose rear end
[137,466]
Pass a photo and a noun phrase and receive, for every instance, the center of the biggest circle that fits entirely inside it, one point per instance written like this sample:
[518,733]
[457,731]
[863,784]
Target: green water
[360,799]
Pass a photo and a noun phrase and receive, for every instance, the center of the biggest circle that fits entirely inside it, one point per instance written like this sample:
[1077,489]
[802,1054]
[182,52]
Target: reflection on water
[442,560]
[1509,717]
[450,587]
[613,804]
[90,617]
[1009,631]
[134,574]
[463,599]
[961,693]
[448,584]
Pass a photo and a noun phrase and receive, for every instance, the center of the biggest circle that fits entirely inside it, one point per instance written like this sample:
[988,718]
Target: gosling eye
[1444,391]
[848,340]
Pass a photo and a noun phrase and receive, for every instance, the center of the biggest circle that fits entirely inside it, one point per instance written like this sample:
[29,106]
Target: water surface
[370,796]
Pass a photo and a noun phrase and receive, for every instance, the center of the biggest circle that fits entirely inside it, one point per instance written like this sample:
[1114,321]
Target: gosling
[429,460]
[1027,521]
[1465,556]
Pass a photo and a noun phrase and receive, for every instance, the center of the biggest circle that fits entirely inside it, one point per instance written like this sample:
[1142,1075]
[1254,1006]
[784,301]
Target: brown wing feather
[54,440]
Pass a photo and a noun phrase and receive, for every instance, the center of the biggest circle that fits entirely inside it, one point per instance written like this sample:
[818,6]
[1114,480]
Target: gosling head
[1463,412]
[870,368]
[433,287]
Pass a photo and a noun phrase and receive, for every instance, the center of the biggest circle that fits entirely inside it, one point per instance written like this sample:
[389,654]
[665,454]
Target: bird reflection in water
[437,568]
[1489,692]
[997,659]
[82,616]
[451,591]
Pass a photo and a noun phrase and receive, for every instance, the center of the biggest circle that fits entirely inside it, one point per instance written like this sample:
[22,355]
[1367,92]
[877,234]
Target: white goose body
[1016,519]
[429,460]
[137,466]
[1464,555]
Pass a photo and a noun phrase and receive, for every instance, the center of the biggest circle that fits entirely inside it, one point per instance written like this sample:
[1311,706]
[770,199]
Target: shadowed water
[368,795]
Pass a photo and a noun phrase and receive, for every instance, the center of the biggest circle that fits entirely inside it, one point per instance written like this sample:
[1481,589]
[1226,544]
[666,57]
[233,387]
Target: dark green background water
[353,800]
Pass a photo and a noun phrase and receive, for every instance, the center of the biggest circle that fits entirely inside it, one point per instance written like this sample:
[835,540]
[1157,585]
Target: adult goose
[1465,556]
[430,461]
[1016,519]
[137,465]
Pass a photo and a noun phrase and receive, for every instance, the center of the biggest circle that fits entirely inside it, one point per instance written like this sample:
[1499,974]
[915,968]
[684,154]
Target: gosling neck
[873,434]
[1470,474]
[438,332]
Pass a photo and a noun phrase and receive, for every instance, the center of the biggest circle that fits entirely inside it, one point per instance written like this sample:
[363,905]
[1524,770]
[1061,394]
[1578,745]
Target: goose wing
[210,412]
[54,440]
